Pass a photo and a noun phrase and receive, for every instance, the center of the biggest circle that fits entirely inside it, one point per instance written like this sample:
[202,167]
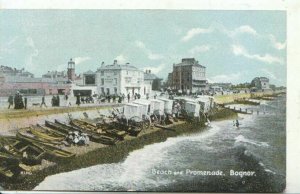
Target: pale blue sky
[235,46]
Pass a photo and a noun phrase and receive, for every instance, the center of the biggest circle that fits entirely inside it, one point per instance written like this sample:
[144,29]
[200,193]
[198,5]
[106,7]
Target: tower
[71,70]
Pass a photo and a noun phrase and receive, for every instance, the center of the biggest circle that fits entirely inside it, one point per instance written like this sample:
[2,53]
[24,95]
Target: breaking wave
[242,139]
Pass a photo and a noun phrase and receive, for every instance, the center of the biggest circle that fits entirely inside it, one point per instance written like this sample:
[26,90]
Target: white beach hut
[168,105]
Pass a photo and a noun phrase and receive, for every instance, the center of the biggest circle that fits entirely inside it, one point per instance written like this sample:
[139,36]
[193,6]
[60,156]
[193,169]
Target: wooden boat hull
[25,136]
[68,127]
[55,154]
[57,126]
[26,152]
[43,134]
[85,126]
[9,165]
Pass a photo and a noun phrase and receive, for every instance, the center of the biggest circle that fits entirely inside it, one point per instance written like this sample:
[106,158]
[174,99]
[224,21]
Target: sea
[222,158]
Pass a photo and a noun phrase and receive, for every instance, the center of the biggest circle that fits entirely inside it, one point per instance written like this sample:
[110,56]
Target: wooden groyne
[245,110]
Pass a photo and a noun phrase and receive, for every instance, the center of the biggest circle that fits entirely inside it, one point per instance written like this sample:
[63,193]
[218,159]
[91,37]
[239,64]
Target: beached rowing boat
[85,125]
[53,153]
[26,134]
[58,126]
[94,136]
[26,152]
[46,134]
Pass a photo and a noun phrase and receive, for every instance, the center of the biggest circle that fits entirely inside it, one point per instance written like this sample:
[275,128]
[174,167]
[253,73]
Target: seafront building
[188,76]
[13,80]
[106,80]
[260,83]
[121,79]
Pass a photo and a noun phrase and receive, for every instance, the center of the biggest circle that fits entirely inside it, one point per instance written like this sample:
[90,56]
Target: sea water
[250,157]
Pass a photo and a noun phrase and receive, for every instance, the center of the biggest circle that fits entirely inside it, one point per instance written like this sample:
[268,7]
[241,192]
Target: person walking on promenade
[43,101]
[68,103]
[109,97]
[18,101]
[128,97]
[53,101]
[25,102]
[123,97]
[78,99]
[10,101]
[57,100]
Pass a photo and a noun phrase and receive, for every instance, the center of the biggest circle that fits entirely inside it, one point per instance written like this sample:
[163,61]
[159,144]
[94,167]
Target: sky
[234,46]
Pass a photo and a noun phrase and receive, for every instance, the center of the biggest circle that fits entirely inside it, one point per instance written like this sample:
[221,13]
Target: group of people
[55,101]
[78,138]
[17,101]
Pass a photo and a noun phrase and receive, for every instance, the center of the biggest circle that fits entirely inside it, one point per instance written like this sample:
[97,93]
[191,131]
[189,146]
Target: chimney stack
[102,64]
[115,62]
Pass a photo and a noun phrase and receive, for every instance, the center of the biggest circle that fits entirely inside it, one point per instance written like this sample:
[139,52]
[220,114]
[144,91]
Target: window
[102,91]
[115,81]
[115,72]
[116,90]
[128,79]
[102,81]
[90,80]
[102,73]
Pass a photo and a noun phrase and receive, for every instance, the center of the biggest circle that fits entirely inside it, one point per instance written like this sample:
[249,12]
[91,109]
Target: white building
[261,83]
[121,79]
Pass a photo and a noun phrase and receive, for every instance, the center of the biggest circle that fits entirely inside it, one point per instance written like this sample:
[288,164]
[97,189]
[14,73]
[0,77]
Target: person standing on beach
[10,101]
[43,101]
